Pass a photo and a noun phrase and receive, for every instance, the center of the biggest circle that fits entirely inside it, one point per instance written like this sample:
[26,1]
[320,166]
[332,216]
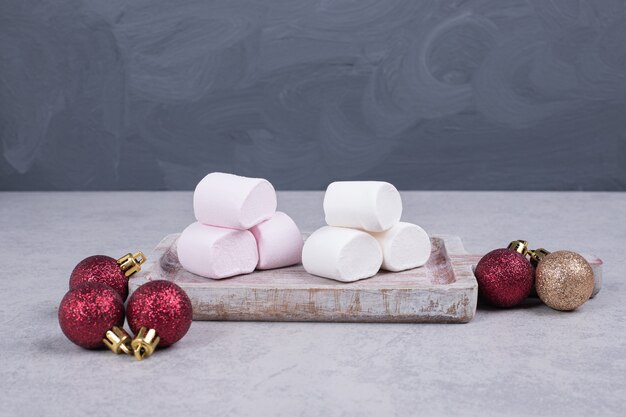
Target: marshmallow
[341,254]
[404,246]
[216,252]
[228,200]
[279,242]
[374,206]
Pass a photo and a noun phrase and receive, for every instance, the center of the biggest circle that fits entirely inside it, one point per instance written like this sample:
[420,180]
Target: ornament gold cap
[519,246]
[537,255]
[144,343]
[118,340]
[131,263]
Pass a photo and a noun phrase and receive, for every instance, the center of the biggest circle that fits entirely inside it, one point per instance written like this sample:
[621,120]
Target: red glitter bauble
[100,268]
[88,311]
[505,277]
[163,306]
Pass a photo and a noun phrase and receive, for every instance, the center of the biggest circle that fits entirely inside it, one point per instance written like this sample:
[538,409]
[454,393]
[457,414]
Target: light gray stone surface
[526,361]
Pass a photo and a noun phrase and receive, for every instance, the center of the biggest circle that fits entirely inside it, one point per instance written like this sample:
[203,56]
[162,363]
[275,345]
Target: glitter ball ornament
[158,312]
[505,276]
[88,312]
[564,279]
[107,270]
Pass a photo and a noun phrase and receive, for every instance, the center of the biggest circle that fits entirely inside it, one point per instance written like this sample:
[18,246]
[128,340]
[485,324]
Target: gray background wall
[153,94]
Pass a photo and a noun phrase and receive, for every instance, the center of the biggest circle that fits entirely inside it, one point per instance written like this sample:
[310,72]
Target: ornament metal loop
[131,263]
[519,246]
[144,343]
[537,255]
[118,340]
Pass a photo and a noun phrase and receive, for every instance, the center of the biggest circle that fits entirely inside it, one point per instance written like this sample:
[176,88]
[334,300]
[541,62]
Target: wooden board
[443,291]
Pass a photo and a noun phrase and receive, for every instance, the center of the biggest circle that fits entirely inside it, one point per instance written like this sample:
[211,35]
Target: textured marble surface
[526,361]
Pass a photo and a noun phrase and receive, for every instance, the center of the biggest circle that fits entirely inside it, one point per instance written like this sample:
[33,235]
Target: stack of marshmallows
[238,229]
[364,233]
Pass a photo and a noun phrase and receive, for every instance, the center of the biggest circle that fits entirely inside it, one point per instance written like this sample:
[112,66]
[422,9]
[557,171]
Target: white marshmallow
[216,252]
[404,246]
[279,242]
[228,200]
[374,206]
[341,254]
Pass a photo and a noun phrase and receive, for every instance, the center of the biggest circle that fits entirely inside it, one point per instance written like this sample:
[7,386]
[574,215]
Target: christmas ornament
[109,271]
[505,276]
[92,314]
[563,279]
[159,313]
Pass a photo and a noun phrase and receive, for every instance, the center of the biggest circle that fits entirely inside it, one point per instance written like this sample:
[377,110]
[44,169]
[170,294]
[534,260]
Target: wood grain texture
[443,291]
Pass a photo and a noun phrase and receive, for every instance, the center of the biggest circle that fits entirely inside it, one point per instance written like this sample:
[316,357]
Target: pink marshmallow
[228,200]
[215,252]
[279,242]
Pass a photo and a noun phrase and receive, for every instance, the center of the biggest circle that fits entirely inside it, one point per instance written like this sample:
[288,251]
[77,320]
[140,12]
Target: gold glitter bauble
[564,280]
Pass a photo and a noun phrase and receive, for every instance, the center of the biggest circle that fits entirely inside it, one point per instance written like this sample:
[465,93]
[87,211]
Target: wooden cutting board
[443,291]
